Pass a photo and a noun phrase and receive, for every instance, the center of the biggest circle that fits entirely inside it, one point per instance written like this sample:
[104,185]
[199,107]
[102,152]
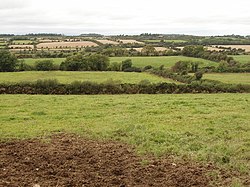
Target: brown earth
[67,160]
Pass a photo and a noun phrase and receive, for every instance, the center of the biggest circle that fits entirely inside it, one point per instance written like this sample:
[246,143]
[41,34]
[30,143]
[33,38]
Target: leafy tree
[44,65]
[181,66]
[8,61]
[198,75]
[98,62]
[75,63]
[126,64]
[148,50]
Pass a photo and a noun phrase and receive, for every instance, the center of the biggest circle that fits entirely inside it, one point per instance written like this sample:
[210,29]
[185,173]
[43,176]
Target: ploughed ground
[70,160]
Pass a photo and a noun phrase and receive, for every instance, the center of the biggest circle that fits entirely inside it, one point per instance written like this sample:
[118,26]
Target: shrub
[8,61]
[44,65]
[126,64]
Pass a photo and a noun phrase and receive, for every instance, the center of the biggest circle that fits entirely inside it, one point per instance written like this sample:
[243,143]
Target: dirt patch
[69,160]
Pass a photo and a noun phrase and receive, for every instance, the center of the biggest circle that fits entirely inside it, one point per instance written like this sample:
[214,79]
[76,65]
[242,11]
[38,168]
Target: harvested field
[21,46]
[69,160]
[22,42]
[66,44]
[139,49]
[130,42]
[214,49]
[108,42]
[246,47]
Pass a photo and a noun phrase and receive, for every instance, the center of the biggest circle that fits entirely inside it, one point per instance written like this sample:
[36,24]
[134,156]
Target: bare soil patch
[69,160]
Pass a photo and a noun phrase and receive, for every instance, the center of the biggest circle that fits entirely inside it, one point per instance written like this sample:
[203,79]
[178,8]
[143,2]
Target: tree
[198,75]
[148,50]
[181,66]
[126,64]
[44,65]
[8,61]
[98,62]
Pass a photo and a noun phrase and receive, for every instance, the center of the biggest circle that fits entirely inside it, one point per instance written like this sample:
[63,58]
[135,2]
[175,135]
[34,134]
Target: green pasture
[205,127]
[243,59]
[68,76]
[230,78]
[167,61]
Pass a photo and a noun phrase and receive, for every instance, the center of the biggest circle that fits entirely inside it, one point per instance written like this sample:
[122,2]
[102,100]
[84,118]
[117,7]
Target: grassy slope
[168,61]
[204,127]
[67,76]
[242,58]
[233,78]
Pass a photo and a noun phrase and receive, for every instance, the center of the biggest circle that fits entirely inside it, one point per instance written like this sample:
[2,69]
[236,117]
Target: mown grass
[167,61]
[242,58]
[209,128]
[231,78]
[68,76]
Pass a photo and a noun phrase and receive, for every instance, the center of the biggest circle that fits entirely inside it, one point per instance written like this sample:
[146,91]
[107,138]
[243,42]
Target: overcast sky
[199,17]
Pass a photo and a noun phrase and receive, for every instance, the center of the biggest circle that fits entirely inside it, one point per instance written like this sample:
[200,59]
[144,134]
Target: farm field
[52,45]
[174,41]
[68,76]
[209,128]
[231,78]
[108,42]
[167,61]
[242,58]
[246,47]
[22,42]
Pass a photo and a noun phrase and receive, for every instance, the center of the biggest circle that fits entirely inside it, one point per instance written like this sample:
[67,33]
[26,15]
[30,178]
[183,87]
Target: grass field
[167,61]
[210,128]
[20,42]
[68,77]
[31,61]
[232,78]
[242,58]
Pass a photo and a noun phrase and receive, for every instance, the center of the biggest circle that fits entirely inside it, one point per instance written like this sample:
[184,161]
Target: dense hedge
[81,88]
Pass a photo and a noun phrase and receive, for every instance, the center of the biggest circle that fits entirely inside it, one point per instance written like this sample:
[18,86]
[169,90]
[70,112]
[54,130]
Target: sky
[112,17]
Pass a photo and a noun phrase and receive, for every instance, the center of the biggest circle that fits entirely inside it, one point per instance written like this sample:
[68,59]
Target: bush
[198,75]
[44,65]
[8,61]
[126,64]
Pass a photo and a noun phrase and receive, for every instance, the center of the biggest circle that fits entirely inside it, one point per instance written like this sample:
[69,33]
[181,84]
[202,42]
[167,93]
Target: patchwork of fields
[68,77]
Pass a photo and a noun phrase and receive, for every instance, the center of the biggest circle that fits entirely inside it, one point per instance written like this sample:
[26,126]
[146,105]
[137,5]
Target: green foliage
[126,64]
[44,65]
[181,66]
[148,50]
[198,75]
[80,62]
[8,62]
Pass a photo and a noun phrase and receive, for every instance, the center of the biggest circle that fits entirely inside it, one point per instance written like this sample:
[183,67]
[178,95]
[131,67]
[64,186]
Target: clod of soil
[69,160]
